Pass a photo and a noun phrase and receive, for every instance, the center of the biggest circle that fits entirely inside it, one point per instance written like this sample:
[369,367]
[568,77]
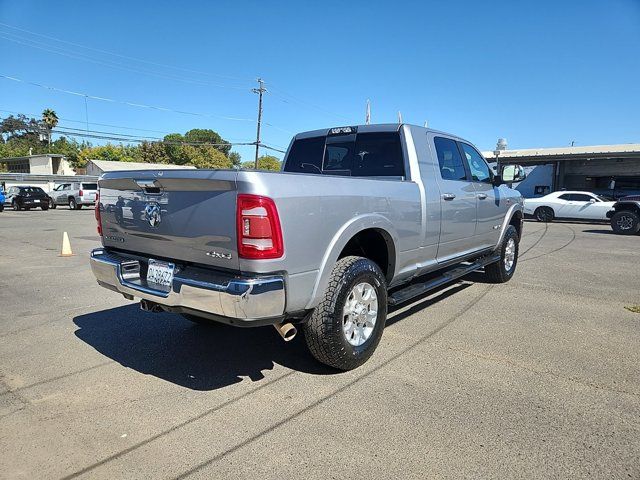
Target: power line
[122,56]
[121,138]
[284,96]
[81,56]
[131,104]
[159,141]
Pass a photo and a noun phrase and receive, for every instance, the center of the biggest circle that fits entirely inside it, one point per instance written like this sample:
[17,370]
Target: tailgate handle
[149,186]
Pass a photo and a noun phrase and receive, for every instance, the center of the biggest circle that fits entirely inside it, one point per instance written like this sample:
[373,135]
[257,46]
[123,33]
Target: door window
[451,166]
[478,167]
[566,197]
[581,197]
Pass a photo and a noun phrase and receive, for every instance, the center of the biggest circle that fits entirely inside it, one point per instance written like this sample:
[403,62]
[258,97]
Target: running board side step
[417,289]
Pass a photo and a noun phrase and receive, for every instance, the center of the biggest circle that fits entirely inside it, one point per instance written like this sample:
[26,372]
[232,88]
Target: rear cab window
[89,186]
[366,154]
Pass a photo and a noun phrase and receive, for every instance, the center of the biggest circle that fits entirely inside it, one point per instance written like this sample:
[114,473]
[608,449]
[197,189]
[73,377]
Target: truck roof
[376,127]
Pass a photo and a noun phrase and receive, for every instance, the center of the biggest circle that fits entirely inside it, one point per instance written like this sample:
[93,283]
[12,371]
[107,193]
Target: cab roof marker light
[342,130]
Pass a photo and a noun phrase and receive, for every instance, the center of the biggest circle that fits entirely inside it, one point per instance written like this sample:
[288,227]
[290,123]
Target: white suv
[74,194]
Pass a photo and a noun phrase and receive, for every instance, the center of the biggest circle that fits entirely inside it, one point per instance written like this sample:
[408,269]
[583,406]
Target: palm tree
[50,119]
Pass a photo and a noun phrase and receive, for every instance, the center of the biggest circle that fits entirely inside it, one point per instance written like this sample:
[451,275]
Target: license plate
[36,201]
[160,273]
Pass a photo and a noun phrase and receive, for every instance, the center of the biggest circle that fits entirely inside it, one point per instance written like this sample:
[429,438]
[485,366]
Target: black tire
[324,333]
[199,320]
[45,207]
[498,272]
[72,204]
[16,206]
[625,222]
[544,214]
[1,207]
[52,204]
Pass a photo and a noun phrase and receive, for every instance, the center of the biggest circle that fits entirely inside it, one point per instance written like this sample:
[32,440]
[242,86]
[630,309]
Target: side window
[478,167]
[566,197]
[378,155]
[581,197]
[451,166]
[66,186]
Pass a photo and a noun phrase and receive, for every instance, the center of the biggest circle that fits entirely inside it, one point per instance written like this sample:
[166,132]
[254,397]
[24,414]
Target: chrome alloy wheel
[359,314]
[510,255]
[625,222]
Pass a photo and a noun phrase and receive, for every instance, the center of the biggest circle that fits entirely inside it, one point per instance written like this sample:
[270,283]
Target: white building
[45,171]
[43,164]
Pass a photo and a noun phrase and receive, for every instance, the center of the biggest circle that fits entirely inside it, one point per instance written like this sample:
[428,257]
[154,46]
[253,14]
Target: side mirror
[513,173]
[592,200]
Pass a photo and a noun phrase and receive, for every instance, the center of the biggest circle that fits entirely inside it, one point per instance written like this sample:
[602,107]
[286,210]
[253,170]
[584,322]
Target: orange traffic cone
[66,246]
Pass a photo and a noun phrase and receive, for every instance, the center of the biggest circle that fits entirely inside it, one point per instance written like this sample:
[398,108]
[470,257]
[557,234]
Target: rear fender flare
[339,241]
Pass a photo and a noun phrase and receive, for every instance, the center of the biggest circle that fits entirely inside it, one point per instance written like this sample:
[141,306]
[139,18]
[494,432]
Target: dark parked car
[625,216]
[26,198]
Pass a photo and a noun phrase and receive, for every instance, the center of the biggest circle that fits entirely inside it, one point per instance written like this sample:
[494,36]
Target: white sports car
[566,204]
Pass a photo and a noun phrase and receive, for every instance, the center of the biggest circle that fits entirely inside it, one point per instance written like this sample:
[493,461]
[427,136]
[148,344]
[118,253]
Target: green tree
[50,121]
[199,135]
[153,152]
[114,153]
[265,162]
[235,158]
[70,148]
[20,127]
[201,157]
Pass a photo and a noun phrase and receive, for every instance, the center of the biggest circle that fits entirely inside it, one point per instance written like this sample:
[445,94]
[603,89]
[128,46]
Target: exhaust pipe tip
[150,307]
[286,330]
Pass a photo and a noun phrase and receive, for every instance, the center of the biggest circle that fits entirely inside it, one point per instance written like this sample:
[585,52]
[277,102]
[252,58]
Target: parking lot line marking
[250,440]
[322,400]
[176,427]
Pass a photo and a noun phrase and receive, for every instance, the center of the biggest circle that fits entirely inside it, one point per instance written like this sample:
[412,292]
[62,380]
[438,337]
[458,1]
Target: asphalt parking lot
[537,378]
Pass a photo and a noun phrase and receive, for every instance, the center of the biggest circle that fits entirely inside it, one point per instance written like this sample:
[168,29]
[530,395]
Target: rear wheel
[625,222]
[502,270]
[15,206]
[45,207]
[72,204]
[345,328]
[544,214]
[1,207]
[52,204]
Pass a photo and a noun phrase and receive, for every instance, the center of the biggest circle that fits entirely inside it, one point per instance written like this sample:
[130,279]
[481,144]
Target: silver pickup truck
[352,224]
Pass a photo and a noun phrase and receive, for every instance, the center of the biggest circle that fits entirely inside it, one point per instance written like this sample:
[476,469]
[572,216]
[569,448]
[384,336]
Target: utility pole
[260,90]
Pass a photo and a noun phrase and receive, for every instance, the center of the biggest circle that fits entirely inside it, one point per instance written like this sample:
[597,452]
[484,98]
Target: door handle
[448,196]
[482,196]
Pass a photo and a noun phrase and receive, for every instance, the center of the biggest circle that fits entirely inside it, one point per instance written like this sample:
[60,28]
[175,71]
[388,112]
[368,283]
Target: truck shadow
[199,357]
[202,357]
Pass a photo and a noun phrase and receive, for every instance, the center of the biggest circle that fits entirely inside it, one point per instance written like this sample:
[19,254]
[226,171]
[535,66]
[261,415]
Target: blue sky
[540,73]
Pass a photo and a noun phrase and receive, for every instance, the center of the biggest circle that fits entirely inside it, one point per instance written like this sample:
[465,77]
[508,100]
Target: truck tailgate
[181,215]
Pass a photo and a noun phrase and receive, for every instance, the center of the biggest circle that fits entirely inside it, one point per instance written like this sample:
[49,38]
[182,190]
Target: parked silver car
[353,222]
[74,194]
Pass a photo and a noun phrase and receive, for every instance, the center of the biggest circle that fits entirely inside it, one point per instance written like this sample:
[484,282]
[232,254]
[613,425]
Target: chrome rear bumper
[248,301]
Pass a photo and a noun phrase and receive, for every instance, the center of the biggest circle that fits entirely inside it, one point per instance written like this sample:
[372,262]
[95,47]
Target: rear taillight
[258,228]
[97,213]
[81,193]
